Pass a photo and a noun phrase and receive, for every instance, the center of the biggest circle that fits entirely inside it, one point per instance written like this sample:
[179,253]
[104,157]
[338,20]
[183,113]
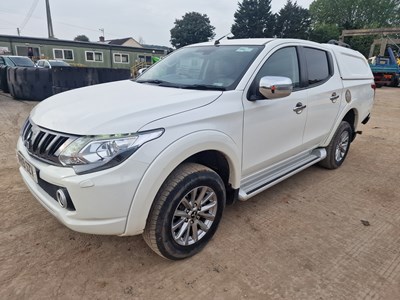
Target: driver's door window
[283,62]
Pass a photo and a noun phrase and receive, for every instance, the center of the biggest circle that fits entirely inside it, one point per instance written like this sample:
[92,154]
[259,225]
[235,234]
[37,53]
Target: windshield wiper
[158,82]
[155,81]
[204,87]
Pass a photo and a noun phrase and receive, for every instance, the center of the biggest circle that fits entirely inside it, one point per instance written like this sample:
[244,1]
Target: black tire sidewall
[344,126]
[165,241]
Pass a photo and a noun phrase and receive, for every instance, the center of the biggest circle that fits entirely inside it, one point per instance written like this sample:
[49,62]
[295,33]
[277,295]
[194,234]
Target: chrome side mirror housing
[273,87]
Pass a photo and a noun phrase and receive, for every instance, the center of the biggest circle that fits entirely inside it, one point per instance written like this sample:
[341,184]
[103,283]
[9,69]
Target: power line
[85,28]
[29,14]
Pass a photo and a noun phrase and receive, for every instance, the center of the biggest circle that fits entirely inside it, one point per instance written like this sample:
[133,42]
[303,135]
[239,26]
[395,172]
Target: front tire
[338,147]
[186,212]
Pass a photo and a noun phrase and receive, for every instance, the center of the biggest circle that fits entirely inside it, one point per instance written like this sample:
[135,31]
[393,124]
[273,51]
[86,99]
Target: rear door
[324,94]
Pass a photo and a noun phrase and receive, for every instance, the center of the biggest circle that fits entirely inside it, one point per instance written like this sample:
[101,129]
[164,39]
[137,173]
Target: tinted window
[283,62]
[317,65]
[22,61]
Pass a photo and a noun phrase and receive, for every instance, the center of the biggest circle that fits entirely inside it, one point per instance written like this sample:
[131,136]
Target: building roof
[129,42]
[23,39]
[118,41]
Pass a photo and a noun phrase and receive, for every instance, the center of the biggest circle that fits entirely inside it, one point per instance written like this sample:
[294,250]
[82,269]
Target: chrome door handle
[299,108]
[334,97]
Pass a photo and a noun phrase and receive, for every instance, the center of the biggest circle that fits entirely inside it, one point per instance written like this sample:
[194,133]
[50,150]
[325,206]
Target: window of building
[145,58]
[317,65]
[30,51]
[66,54]
[94,56]
[121,58]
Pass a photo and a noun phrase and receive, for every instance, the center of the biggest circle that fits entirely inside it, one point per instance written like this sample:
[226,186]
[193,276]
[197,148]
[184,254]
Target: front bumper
[101,199]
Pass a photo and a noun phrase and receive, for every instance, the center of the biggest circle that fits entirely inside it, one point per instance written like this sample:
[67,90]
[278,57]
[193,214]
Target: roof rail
[339,43]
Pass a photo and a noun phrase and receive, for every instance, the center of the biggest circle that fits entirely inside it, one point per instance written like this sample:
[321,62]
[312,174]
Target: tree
[352,14]
[81,38]
[254,19]
[323,33]
[192,28]
[293,21]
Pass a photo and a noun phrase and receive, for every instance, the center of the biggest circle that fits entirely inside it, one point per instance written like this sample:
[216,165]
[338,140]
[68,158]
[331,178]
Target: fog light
[62,198]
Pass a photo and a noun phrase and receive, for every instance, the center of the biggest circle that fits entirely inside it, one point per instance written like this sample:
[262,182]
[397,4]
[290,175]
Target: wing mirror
[273,87]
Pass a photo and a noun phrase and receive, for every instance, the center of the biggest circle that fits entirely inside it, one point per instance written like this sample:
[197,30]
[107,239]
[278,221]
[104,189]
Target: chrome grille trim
[44,144]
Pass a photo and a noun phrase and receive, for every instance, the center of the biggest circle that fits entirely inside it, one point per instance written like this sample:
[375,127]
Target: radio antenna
[216,43]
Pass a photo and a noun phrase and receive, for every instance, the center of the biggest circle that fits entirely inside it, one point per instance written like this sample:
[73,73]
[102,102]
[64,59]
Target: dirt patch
[305,238]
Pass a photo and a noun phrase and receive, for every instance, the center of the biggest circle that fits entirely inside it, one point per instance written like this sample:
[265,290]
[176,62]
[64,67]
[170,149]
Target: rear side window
[317,65]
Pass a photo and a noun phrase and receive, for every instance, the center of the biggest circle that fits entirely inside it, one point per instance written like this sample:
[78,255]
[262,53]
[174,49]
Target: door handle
[299,108]
[334,97]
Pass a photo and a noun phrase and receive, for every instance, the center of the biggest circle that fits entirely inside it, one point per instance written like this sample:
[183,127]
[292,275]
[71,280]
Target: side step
[276,174]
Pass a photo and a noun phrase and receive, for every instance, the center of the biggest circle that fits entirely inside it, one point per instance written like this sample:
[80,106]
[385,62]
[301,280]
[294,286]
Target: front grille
[44,144]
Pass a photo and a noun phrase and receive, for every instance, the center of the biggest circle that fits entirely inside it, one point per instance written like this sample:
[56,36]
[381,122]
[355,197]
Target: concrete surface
[302,239]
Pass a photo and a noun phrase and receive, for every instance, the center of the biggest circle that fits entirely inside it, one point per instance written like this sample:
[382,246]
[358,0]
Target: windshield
[202,67]
[22,61]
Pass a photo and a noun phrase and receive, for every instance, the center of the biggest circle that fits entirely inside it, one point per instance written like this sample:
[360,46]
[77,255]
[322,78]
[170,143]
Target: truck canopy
[352,64]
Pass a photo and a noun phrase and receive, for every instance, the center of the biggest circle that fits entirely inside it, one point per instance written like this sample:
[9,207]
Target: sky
[148,21]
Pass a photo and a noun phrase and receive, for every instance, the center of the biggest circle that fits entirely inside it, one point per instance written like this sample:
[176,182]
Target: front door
[273,131]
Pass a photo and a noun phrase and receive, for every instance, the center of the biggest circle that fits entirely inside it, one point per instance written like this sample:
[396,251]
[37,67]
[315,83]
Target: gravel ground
[305,238]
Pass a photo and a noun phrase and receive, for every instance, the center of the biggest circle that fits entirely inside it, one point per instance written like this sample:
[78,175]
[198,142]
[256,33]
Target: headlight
[94,153]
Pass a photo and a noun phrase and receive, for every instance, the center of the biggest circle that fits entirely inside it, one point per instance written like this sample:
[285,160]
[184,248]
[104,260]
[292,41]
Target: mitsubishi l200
[209,124]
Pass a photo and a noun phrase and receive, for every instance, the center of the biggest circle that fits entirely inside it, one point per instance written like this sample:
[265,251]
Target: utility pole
[49,22]
[19,32]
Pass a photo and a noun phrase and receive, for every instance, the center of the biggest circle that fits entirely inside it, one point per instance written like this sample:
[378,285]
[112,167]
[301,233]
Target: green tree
[192,28]
[81,38]
[292,21]
[254,19]
[323,33]
[352,14]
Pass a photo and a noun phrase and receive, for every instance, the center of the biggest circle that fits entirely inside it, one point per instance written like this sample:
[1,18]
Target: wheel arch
[211,148]
[218,162]
[351,116]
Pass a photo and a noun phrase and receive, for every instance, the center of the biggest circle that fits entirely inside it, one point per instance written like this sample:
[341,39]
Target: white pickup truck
[209,124]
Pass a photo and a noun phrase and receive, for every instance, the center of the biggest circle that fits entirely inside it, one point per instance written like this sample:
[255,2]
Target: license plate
[28,167]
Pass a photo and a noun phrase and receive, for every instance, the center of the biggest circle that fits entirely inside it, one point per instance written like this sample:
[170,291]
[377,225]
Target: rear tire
[338,147]
[186,212]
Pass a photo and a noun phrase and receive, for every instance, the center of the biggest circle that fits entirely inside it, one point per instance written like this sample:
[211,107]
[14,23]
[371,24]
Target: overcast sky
[149,20]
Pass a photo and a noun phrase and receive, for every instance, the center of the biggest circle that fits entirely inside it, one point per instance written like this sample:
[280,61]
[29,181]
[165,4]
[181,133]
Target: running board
[279,174]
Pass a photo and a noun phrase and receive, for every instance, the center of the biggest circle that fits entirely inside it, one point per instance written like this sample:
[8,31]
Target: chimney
[101,39]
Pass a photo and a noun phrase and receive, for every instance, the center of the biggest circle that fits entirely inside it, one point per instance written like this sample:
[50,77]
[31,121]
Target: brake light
[373,86]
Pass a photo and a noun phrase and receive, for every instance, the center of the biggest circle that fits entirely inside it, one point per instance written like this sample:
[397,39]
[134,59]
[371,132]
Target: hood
[117,107]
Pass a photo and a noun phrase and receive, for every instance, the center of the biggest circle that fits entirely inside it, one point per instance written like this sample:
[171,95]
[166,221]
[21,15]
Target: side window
[317,65]
[283,62]
[2,61]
